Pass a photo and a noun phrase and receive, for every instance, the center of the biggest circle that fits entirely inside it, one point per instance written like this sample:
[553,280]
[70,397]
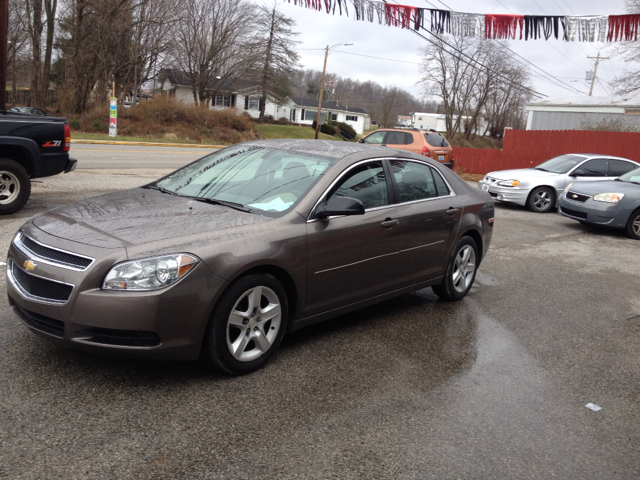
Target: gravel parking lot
[494,386]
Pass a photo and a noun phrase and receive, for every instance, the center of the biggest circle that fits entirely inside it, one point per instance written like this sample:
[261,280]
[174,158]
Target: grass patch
[125,138]
[269,131]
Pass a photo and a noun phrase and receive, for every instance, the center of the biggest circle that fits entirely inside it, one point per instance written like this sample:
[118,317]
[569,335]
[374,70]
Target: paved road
[126,157]
[494,386]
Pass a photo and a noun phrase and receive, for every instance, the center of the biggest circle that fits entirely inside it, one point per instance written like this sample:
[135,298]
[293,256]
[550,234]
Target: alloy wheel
[541,200]
[253,324]
[464,268]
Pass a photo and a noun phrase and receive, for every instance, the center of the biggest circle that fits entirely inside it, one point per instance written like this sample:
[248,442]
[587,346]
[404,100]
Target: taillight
[67,138]
[425,151]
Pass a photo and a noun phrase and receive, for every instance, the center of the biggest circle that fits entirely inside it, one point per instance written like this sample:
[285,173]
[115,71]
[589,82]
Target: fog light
[500,197]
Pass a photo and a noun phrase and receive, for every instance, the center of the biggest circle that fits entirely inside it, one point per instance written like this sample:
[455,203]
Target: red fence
[522,148]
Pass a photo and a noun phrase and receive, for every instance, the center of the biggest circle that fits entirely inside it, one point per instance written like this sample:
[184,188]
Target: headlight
[566,189]
[509,183]
[609,197]
[149,273]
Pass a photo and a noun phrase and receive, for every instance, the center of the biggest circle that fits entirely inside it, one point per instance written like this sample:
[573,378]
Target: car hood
[139,216]
[521,174]
[607,186]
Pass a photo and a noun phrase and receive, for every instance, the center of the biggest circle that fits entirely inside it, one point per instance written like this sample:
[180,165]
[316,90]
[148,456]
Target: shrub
[283,121]
[325,128]
[74,123]
[346,130]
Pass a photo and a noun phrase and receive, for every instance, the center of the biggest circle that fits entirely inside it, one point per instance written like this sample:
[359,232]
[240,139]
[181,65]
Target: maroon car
[222,257]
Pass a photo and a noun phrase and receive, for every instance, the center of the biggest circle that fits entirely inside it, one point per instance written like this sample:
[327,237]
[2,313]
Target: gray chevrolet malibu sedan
[222,257]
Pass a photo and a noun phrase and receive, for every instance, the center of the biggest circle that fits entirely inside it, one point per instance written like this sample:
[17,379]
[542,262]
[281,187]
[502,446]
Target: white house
[404,121]
[305,110]
[239,95]
[245,97]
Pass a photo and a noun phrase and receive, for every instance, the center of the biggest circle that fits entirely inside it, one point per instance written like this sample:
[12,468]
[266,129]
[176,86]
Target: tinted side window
[414,180]
[366,183]
[375,137]
[395,138]
[408,138]
[594,168]
[620,167]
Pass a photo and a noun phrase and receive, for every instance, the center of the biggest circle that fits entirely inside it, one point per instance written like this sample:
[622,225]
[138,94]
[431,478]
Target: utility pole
[595,70]
[4,26]
[324,71]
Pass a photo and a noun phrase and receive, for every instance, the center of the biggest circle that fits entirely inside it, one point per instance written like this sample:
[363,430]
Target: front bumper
[515,195]
[595,213]
[163,324]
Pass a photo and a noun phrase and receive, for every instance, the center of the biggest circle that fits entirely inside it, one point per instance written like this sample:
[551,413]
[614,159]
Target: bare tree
[18,39]
[275,47]
[388,112]
[41,17]
[629,81]
[211,39]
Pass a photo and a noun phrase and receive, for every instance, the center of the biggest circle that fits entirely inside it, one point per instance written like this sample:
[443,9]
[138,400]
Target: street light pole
[324,71]
[4,26]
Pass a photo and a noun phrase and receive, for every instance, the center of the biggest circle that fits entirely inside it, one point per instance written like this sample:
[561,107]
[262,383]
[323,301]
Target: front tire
[460,273]
[247,325]
[633,225]
[541,200]
[15,186]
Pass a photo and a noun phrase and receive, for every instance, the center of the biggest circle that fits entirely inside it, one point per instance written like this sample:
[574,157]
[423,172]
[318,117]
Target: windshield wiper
[163,190]
[538,168]
[214,201]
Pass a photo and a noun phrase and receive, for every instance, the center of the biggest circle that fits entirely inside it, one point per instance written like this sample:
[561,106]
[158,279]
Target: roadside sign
[113,117]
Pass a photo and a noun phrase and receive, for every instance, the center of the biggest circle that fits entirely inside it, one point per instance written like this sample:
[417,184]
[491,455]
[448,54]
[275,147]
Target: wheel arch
[21,156]
[285,279]
[477,238]
[554,191]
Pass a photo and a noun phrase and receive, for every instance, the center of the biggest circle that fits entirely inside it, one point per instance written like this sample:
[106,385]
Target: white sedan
[539,188]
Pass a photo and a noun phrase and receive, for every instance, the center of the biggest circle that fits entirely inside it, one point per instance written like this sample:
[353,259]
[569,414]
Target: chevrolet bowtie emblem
[29,265]
[574,196]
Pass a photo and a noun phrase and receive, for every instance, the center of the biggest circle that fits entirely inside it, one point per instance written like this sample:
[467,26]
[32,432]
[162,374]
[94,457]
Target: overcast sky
[566,61]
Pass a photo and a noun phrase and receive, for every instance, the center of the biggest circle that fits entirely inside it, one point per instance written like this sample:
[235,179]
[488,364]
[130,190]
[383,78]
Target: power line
[553,82]
[378,58]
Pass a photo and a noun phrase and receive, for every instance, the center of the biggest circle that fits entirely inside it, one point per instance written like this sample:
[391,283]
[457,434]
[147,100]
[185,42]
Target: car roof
[326,148]
[600,155]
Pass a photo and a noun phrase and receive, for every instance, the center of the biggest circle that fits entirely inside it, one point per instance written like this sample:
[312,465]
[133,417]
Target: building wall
[554,120]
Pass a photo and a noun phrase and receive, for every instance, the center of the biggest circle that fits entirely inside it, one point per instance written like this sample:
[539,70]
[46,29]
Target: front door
[353,257]
[590,171]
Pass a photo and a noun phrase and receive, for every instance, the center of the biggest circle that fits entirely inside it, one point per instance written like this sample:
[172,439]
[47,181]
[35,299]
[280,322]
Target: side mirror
[361,140]
[578,173]
[340,206]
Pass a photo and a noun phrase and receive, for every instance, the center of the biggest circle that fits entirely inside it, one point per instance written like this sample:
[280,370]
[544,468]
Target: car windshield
[632,177]
[264,180]
[436,140]
[561,164]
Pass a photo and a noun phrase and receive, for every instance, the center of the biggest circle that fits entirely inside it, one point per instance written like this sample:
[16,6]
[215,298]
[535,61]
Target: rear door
[620,167]
[430,214]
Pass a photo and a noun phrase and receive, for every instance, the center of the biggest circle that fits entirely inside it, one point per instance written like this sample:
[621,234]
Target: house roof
[585,101]
[180,78]
[327,105]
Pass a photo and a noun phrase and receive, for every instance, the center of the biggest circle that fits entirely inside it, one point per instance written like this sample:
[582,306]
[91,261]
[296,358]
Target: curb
[145,144]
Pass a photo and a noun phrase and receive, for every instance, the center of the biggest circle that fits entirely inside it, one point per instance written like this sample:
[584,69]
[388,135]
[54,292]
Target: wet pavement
[493,386]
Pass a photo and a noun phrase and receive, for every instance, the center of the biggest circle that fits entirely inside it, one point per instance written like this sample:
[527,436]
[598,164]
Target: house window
[253,103]
[292,115]
[313,115]
[218,101]
[226,101]
[352,118]
[334,117]
[246,103]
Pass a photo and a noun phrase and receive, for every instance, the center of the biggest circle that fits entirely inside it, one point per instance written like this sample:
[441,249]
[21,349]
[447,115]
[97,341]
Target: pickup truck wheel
[15,186]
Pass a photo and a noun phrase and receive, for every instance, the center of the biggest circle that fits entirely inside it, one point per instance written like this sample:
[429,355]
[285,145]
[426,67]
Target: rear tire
[15,186]
[460,273]
[633,225]
[247,325]
[541,200]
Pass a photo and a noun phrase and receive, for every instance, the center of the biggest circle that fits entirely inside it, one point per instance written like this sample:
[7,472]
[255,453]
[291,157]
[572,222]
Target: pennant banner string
[598,28]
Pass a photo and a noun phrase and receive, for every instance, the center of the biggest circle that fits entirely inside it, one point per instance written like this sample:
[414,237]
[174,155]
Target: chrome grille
[577,197]
[51,255]
[38,288]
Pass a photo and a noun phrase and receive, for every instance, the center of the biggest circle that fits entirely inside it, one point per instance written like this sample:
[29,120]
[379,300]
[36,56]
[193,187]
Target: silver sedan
[540,187]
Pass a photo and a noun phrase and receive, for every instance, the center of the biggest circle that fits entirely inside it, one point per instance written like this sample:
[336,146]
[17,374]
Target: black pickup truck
[30,147]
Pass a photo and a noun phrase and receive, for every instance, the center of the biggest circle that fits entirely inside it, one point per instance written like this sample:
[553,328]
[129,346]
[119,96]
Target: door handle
[452,211]
[388,223]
